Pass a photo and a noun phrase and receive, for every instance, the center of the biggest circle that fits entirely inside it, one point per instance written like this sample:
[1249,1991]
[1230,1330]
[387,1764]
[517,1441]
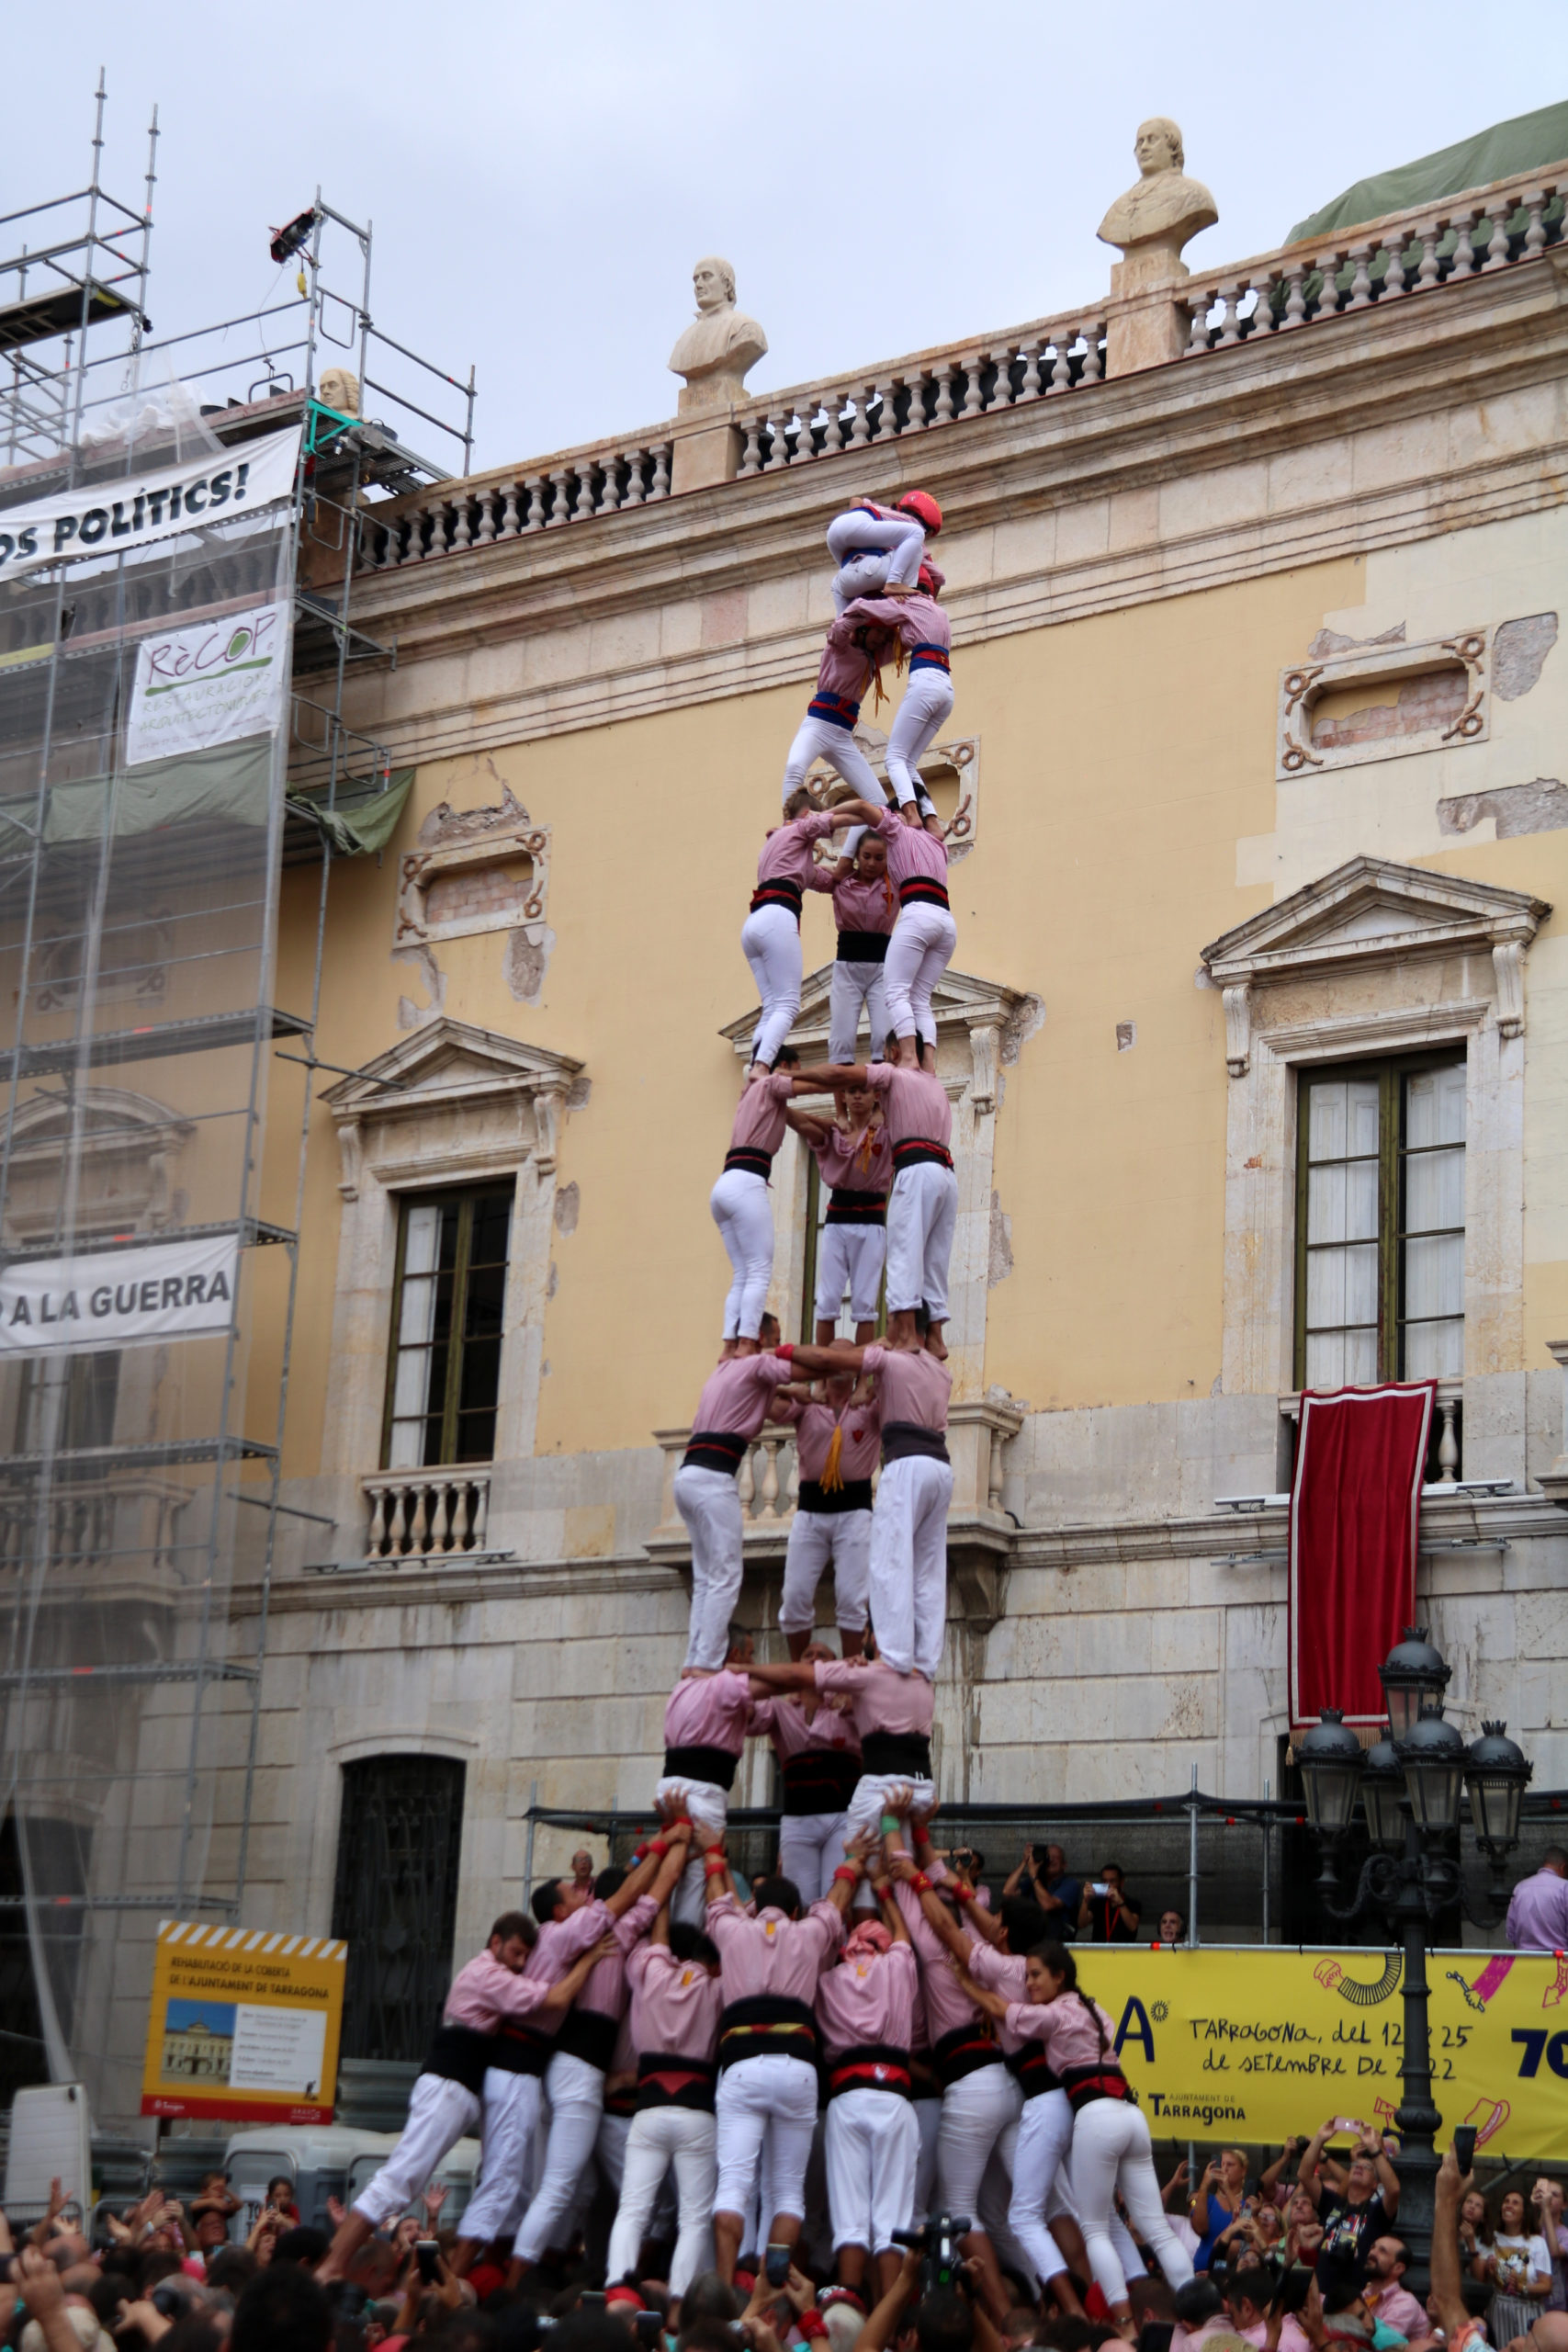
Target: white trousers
[919,952]
[709,1502]
[1044,2135]
[900,543]
[927,705]
[767,2112]
[744,1215]
[440,2114]
[873,2146]
[769,941]
[908,1563]
[820,739]
[872,1792]
[708,1805]
[975,2114]
[510,2120]
[811,1846]
[661,2136]
[1111,2151]
[576,2093]
[923,1210]
[817,1539]
[852,984]
[928,2118]
[850,1257]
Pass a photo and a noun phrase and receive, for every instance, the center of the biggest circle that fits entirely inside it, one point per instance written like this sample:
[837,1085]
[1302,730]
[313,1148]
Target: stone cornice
[1229,412]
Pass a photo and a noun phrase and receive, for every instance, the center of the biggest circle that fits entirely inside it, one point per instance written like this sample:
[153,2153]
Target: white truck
[329,2160]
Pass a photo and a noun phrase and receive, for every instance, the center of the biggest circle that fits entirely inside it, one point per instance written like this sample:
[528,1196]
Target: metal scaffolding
[141,844]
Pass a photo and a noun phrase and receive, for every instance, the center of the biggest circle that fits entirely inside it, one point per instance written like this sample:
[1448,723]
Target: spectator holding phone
[1043,1875]
[1366,2208]
[1106,1910]
[1217,2202]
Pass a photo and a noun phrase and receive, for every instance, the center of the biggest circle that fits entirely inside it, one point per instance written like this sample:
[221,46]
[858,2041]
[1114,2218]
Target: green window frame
[448,1307]
[1379,1221]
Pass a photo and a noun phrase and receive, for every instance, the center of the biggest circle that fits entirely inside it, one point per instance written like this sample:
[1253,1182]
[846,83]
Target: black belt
[1084,2085]
[663,2079]
[963,2052]
[590,2035]
[1032,2070]
[901,1438]
[883,1753]
[767,2024]
[747,1156]
[461,2053]
[853,1494]
[622,2100]
[846,1207]
[871,2066]
[715,1765]
[915,1152]
[779,893]
[862,948]
[518,2049]
[921,890]
[714,1450]
[819,1780]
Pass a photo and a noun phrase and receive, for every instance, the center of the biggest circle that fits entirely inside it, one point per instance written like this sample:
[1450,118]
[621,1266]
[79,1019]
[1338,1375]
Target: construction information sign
[1255,2044]
[112,1299]
[243,2025]
[204,685]
[131,510]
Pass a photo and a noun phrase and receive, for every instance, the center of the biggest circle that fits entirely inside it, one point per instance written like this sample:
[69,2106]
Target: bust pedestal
[707,440]
[1149,324]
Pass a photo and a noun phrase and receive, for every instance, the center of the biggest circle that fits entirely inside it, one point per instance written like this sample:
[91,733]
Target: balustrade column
[634,494]
[1230,329]
[944,414]
[439,1521]
[660,471]
[535,490]
[377,1534]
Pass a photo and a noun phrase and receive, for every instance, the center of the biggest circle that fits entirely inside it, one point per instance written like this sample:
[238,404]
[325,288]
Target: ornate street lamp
[1330,1759]
[1414,1677]
[1382,1796]
[1497,1774]
[1433,1757]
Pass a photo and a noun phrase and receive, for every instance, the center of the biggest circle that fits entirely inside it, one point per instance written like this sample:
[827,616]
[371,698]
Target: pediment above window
[1369,912]
[997,1020]
[456,1097]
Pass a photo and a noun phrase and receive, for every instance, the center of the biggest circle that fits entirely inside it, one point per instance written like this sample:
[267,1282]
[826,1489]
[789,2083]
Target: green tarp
[1528,143]
[361,822]
[226,786]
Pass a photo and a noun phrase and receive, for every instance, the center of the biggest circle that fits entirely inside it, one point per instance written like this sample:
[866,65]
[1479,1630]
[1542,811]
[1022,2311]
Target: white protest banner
[207,684]
[106,517]
[112,1299]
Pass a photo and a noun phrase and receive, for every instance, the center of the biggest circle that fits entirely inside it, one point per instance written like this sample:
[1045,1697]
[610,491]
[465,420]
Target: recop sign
[108,517]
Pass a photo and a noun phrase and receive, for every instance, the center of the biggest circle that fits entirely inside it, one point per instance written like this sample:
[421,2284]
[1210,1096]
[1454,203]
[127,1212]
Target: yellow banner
[1255,2044]
[244,2024]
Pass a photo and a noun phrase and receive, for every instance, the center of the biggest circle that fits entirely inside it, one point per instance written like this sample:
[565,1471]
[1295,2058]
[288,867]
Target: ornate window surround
[1302,686]
[456,1104]
[1374,958]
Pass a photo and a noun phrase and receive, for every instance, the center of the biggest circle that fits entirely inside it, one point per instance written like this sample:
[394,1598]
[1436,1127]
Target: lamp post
[1410,1785]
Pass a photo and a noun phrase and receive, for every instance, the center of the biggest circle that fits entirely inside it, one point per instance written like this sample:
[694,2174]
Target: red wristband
[812,2324]
[848,1869]
[713,1865]
[921,1882]
[659,1845]
[787,1349]
[963,1893]
[639,1854]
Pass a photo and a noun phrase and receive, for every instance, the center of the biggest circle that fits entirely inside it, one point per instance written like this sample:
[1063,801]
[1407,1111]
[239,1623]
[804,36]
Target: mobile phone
[775,2265]
[1464,2145]
[648,2326]
[1099,1886]
[427,2254]
[591,2299]
[167,2300]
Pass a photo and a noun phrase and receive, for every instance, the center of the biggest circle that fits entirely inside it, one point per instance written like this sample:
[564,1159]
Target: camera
[943,2257]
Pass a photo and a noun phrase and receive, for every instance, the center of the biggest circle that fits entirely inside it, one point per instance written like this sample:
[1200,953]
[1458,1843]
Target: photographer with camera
[935,2303]
[1106,1910]
[1043,1878]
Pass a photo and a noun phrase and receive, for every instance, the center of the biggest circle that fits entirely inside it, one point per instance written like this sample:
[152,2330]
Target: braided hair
[1061,1962]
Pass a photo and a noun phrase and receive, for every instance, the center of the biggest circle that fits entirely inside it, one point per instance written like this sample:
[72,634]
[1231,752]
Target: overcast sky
[541,178]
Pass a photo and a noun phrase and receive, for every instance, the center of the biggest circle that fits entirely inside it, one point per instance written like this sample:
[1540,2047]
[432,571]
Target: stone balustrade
[426,1514]
[1410,253]
[129,1524]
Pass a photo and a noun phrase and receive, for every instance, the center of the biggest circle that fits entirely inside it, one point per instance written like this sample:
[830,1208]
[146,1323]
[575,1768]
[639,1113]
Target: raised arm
[636,1884]
[945,1928]
[816,1130]
[1448,2293]
[1311,2156]
[789,1674]
[842,1355]
[820,1078]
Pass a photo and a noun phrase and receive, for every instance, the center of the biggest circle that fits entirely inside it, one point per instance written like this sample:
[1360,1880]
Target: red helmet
[923,507]
[930,579]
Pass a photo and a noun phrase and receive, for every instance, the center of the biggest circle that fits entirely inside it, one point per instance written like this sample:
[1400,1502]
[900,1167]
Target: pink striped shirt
[605,1990]
[862,1163]
[870,1998]
[911,850]
[709,1711]
[1066,2028]
[862,1425]
[675,2004]
[847,669]
[879,1699]
[772,1953]
[786,853]
[784,1721]
[911,1385]
[736,1396]
[998,1972]
[760,1113]
[948,2005]
[486,1991]
[914,1104]
[918,619]
[563,1942]
[865,906]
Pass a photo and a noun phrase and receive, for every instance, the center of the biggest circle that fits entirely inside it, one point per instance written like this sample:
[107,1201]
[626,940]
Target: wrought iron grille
[395,1902]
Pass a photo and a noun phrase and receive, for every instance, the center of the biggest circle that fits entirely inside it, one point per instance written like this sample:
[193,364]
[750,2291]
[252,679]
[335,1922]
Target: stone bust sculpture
[1154,221]
[720,344]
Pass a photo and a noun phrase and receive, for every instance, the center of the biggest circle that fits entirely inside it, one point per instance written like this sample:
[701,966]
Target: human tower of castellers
[651,2020]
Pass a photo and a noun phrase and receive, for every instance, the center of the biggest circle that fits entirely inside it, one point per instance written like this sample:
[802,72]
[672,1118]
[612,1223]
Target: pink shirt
[709,1711]
[998,1972]
[947,2004]
[911,850]
[760,1113]
[862,1163]
[914,1104]
[772,1953]
[675,2004]
[918,619]
[1067,2028]
[862,1425]
[485,1992]
[786,853]
[563,1942]
[879,1699]
[865,906]
[1396,2307]
[1538,1916]
[911,1385]
[870,1998]
[784,1721]
[847,669]
[605,1990]
[736,1396]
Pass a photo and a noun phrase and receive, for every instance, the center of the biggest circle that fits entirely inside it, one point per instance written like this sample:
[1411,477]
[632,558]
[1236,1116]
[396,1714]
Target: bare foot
[936,1345]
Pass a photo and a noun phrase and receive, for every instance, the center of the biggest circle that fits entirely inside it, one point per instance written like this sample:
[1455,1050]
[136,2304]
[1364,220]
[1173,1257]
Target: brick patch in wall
[478,890]
[1433,700]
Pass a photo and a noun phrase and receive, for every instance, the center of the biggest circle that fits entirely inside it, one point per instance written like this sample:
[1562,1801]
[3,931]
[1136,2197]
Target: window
[68,1401]
[395,1902]
[1379,1223]
[449,1296]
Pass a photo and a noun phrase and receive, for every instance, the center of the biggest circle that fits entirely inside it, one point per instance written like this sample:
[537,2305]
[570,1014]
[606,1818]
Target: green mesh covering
[1527,143]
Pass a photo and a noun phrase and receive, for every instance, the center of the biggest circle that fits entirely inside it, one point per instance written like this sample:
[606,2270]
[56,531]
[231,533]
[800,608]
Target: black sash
[901,1438]
[1084,2085]
[518,2049]
[716,1450]
[747,1156]
[665,2080]
[963,2052]
[1031,2070]
[461,2053]
[853,1494]
[920,890]
[846,1207]
[862,948]
[906,1753]
[715,1765]
[767,2024]
[915,1150]
[819,1780]
[778,892]
[871,2066]
[589,2034]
